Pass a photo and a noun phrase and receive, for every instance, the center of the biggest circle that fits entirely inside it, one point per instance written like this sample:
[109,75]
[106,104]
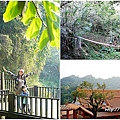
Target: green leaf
[57,15]
[29,14]
[52,21]
[13,9]
[53,30]
[43,39]
[56,41]
[49,28]
[49,7]
[34,28]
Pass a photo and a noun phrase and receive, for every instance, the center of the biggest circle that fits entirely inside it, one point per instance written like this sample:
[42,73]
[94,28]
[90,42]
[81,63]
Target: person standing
[24,93]
[20,81]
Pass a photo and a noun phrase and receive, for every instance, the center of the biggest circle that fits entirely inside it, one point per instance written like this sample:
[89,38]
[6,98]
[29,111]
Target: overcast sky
[97,68]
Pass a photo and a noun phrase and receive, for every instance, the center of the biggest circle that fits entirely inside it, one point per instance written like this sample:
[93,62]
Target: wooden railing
[44,92]
[47,92]
[39,107]
[10,84]
[44,102]
[4,99]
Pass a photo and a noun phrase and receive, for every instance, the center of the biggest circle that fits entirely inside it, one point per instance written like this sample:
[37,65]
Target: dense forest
[69,84]
[50,75]
[90,30]
[18,52]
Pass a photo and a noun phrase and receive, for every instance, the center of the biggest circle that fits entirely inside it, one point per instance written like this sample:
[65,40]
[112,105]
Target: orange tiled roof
[73,106]
[65,108]
[115,102]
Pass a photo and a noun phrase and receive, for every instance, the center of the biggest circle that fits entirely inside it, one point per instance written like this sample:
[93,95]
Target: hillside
[73,81]
[69,84]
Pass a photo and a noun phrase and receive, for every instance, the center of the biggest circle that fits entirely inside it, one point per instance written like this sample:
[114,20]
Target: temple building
[110,108]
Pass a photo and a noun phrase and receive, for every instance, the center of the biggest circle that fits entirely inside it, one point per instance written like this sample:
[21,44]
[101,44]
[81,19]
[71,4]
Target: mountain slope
[111,83]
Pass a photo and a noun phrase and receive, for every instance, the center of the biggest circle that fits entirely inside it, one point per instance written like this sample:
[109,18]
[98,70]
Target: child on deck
[24,92]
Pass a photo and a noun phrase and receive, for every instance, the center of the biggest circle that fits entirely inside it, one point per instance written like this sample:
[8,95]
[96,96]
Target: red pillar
[68,115]
[79,111]
[83,114]
[74,114]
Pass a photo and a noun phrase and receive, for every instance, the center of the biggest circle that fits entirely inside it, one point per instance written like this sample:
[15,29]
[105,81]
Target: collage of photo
[89,65]
[60,59]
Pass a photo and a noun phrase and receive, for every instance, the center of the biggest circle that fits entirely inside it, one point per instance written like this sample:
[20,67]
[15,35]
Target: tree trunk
[95,115]
[94,111]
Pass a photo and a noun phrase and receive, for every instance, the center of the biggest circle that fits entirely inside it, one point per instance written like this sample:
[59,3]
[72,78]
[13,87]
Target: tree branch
[38,14]
[63,3]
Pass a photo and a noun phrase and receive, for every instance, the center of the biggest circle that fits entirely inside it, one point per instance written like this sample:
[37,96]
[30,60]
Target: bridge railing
[48,92]
[43,107]
[10,84]
[44,92]
[44,102]
[4,99]
[39,107]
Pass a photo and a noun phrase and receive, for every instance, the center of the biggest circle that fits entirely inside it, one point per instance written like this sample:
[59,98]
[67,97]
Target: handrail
[40,91]
[95,42]
[39,107]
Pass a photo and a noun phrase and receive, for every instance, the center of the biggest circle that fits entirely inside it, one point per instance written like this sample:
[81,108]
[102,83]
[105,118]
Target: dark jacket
[17,77]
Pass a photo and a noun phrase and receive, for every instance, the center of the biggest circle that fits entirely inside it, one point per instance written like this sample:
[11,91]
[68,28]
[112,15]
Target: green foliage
[50,74]
[74,81]
[86,85]
[16,52]
[13,9]
[43,39]
[94,20]
[66,94]
[69,85]
[31,15]
[94,98]
[34,28]
[104,53]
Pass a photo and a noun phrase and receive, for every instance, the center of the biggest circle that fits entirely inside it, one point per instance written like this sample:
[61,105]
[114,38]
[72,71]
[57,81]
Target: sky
[98,68]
